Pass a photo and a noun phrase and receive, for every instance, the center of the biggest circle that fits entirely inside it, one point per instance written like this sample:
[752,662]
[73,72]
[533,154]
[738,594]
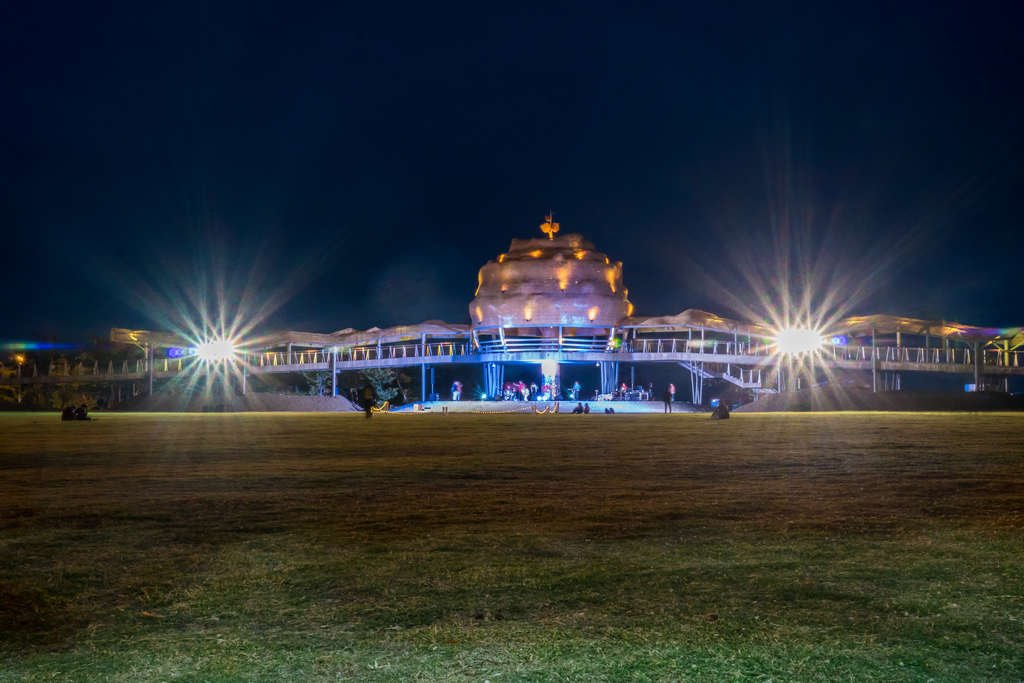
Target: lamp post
[19,359]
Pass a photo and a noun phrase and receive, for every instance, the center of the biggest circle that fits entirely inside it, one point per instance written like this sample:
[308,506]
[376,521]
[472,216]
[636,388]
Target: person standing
[369,399]
[456,390]
[672,391]
[668,400]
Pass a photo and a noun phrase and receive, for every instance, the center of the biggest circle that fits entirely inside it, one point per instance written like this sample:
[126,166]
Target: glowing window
[537,253]
[592,313]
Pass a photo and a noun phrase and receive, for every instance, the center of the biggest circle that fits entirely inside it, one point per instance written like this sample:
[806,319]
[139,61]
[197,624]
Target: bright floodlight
[794,340]
[216,350]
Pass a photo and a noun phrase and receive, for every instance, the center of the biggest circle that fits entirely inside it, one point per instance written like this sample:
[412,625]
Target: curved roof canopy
[888,324]
[693,318]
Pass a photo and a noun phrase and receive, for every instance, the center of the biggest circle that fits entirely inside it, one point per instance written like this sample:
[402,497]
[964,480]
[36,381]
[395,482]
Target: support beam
[874,361]
[609,376]
[423,382]
[334,372]
[150,355]
[494,378]
[978,360]
[697,379]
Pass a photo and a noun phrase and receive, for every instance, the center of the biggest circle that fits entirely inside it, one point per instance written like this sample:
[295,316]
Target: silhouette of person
[369,399]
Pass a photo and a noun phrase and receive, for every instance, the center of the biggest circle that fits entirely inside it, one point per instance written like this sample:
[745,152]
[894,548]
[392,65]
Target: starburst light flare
[798,340]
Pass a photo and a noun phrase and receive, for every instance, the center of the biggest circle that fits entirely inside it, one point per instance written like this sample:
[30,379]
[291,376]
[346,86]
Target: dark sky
[361,161]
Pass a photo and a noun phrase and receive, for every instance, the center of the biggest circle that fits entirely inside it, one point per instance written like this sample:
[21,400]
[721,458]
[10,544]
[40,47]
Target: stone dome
[550,281]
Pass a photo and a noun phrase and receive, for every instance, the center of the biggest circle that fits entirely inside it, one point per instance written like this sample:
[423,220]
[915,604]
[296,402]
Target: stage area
[620,407]
[512,547]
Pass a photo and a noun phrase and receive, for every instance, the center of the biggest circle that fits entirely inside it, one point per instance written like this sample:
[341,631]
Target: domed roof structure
[553,281]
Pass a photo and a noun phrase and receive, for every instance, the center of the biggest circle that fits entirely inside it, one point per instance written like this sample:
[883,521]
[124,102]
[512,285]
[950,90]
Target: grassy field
[512,547]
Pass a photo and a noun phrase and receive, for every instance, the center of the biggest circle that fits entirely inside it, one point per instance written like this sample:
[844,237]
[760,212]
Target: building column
[609,375]
[149,367]
[874,361]
[977,366]
[696,371]
[494,377]
[245,374]
[334,372]
[423,382]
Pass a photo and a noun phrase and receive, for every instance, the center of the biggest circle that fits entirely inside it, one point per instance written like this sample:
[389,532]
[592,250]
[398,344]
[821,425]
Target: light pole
[19,359]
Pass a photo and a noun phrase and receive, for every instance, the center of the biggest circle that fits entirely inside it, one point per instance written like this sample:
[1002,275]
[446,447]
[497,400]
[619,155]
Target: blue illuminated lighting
[840,340]
[181,351]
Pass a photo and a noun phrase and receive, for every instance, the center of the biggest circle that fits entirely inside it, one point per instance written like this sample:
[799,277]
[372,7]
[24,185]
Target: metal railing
[952,355]
[321,358]
[708,346]
[554,345]
[357,353]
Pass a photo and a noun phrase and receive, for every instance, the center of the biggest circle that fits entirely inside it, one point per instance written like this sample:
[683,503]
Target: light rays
[797,262]
[216,302]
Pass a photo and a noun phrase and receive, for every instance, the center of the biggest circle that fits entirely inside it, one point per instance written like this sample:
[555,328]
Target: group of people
[72,413]
[584,409]
[521,391]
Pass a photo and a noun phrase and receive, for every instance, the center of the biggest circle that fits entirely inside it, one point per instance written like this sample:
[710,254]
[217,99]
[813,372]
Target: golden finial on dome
[549,227]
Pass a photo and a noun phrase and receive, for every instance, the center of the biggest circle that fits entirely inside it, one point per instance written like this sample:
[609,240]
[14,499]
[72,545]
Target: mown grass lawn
[512,547]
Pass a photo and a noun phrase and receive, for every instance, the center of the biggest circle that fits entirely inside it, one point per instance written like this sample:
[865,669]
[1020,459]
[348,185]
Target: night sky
[357,163]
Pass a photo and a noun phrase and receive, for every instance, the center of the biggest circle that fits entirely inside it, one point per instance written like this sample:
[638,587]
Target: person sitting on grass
[82,412]
[578,410]
[67,414]
[721,412]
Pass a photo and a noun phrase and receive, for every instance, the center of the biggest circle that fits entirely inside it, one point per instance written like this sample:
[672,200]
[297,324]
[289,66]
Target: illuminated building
[555,300]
